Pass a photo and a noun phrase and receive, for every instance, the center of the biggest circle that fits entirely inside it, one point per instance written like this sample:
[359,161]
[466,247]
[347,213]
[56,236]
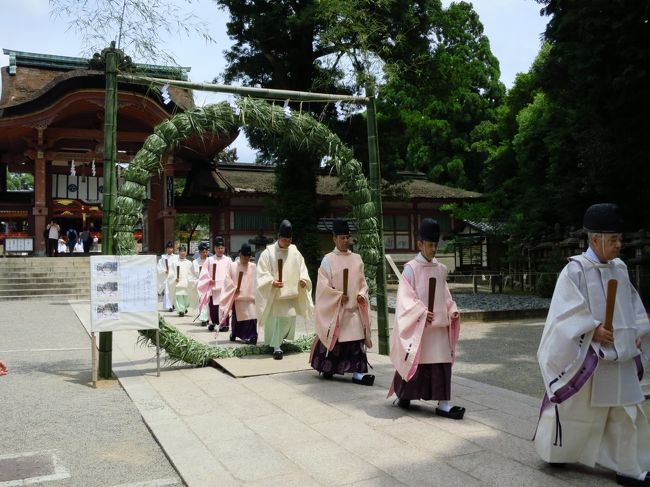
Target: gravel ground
[490,302]
[494,302]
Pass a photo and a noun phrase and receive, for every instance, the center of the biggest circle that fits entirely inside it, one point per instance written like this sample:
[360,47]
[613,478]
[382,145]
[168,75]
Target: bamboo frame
[373,151]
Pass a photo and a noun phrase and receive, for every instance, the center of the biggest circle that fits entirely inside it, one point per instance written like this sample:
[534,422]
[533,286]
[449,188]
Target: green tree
[439,103]
[277,45]
[596,81]
[188,224]
[20,181]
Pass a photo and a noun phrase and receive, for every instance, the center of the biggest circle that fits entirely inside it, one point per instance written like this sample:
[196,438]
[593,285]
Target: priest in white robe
[591,413]
[165,270]
[283,290]
[181,289]
[197,266]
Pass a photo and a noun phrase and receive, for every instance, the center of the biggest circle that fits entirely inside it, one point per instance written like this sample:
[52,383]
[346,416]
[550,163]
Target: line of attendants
[591,413]
[238,296]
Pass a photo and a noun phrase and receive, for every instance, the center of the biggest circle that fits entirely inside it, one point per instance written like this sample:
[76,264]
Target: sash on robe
[577,308]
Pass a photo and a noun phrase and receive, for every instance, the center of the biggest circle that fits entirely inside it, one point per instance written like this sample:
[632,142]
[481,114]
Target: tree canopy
[432,70]
[573,130]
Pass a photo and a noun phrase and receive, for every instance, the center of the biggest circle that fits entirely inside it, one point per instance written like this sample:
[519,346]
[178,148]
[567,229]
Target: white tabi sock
[277,349]
[444,405]
[358,375]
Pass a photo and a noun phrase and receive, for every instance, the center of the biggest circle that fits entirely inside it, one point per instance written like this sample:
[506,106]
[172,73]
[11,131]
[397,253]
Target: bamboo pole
[375,185]
[110,150]
[243,90]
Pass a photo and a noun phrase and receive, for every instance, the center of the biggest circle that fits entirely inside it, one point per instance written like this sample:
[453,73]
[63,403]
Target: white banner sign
[123,293]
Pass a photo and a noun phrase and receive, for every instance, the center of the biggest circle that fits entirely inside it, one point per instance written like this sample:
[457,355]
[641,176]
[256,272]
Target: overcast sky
[514,28]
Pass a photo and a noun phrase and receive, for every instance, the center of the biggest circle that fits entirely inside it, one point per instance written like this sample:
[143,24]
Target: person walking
[201,256]
[86,240]
[53,232]
[165,268]
[211,279]
[180,288]
[283,290]
[592,411]
[427,325]
[72,239]
[342,312]
[238,296]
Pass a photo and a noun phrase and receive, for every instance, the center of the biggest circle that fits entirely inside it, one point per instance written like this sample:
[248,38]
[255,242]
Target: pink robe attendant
[412,343]
[244,302]
[205,289]
[335,320]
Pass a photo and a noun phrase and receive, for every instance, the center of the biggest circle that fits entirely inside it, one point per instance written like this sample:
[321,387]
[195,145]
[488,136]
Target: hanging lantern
[92,168]
[72,169]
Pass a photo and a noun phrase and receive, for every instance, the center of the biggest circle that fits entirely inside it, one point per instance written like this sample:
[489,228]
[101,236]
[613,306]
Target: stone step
[44,263]
[45,285]
[59,298]
[50,278]
[45,280]
[42,271]
[39,291]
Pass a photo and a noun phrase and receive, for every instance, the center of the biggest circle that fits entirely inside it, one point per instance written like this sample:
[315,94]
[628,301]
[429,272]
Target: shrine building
[51,126]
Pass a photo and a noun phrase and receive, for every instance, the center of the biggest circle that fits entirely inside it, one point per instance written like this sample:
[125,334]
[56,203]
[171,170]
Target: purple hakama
[245,330]
[430,382]
[345,357]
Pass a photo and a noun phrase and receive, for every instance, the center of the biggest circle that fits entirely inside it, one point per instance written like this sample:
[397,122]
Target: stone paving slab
[252,365]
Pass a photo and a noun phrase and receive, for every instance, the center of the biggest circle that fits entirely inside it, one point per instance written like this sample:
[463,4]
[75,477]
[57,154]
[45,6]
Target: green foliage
[437,109]
[191,226]
[181,348]
[595,81]
[20,181]
[137,26]
[299,132]
[545,285]
[473,211]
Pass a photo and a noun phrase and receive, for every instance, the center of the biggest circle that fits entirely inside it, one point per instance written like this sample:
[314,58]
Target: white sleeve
[325,264]
[409,275]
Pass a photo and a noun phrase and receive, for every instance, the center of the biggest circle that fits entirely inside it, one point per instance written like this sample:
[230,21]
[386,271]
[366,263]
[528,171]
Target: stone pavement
[297,429]
[55,429]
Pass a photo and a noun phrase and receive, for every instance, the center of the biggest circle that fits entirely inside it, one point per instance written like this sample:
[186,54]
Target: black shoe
[327,375]
[456,412]
[277,355]
[211,327]
[171,310]
[366,380]
[253,341]
[404,403]
[204,323]
[224,328]
[232,338]
[623,480]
